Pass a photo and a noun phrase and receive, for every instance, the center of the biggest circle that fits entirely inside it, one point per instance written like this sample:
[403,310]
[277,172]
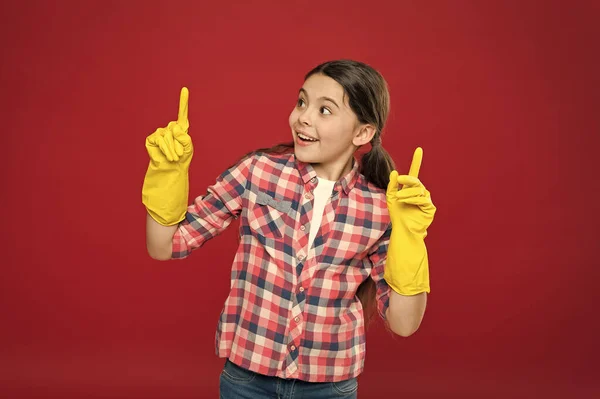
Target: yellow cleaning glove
[166,185]
[411,213]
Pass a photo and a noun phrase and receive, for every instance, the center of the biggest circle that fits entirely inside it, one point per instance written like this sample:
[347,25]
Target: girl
[315,234]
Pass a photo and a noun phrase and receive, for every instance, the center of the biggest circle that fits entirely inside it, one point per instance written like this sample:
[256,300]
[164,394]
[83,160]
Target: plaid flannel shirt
[292,311]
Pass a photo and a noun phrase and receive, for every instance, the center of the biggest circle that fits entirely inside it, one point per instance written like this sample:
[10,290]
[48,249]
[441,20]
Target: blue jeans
[237,382]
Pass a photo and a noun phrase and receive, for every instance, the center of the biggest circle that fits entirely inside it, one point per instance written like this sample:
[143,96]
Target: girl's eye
[300,102]
[325,109]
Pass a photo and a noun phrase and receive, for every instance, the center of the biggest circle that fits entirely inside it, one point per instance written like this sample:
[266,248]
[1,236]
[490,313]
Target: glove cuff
[165,193]
[407,267]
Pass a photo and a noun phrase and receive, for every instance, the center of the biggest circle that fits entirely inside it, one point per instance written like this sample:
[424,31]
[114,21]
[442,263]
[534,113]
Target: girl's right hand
[172,143]
[166,184]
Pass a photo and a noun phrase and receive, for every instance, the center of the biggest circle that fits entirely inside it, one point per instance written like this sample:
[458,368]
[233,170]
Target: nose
[304,118]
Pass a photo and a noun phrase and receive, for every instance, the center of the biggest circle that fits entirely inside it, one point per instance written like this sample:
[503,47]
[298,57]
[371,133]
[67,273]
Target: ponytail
[376,166]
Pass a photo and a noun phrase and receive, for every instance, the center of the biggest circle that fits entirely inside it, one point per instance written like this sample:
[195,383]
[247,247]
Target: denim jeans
[236,382]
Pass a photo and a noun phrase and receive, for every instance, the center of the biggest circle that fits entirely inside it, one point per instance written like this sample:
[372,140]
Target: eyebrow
[320,98]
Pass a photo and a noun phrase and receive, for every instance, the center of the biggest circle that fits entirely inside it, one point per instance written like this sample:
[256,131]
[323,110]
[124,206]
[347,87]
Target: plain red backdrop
[502,96]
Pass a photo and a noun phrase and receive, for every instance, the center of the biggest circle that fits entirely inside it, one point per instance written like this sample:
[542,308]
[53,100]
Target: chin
[303,157]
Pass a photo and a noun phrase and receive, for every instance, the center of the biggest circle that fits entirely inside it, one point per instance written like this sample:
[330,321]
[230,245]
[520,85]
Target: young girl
[322,247]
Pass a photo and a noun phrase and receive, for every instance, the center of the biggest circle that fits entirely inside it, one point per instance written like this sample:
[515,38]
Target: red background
[502,96]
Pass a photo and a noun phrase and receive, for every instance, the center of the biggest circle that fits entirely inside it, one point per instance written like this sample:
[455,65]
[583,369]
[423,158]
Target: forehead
[319,85]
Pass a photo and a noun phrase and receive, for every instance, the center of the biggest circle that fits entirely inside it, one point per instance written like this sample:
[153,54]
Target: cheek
[293,117]
[338,134]
[333,130]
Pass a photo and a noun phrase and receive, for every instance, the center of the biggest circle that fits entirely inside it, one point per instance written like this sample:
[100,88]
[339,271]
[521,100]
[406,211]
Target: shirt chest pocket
[267,216]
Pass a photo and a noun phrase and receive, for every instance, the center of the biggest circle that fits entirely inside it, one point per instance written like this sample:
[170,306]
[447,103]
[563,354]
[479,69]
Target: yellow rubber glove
[411,213]
[166,185]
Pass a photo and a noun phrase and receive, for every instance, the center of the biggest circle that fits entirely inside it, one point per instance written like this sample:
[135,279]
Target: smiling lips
[305,137]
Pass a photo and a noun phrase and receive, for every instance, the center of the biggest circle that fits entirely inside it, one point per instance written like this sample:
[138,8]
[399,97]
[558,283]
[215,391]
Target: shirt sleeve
[212,213]
[377,257]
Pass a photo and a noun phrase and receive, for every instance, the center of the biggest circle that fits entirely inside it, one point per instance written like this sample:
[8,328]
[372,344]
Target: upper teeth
[306,137]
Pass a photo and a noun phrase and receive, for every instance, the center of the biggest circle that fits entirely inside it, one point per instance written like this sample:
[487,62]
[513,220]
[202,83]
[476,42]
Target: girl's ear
[364,135]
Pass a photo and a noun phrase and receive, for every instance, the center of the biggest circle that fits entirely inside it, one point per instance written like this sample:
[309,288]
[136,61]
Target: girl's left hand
[411,212]
[411,209]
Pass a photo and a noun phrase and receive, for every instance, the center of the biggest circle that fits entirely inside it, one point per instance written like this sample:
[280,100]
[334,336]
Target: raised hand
[173,141]
[166,184]
[411,213]
[410,207]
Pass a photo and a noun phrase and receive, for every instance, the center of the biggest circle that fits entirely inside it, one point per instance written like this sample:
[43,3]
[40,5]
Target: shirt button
[314,179]
[302,227]
[296,319]
[308,196]
[301,289]
[300,258]
[293,348]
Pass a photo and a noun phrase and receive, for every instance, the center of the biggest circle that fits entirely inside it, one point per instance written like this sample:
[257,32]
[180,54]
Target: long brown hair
[369,99]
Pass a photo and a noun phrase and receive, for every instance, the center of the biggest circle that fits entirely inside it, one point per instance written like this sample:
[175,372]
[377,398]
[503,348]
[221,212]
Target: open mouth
[305,138]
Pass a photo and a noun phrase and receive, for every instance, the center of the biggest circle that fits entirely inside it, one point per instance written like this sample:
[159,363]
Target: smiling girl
[326,240]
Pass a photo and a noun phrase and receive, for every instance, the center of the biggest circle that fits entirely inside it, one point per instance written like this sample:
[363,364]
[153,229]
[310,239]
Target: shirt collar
[346,183]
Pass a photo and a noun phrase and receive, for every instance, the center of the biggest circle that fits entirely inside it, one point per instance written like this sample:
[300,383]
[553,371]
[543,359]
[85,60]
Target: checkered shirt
[292,311]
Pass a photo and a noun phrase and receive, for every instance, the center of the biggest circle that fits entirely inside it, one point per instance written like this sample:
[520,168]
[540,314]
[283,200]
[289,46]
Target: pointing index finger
[415,166]
[182,117]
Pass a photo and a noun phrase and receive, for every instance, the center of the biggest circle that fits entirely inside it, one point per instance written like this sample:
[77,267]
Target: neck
[333,171]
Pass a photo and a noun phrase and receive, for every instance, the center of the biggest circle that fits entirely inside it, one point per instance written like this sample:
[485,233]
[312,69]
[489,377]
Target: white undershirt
[321,194]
